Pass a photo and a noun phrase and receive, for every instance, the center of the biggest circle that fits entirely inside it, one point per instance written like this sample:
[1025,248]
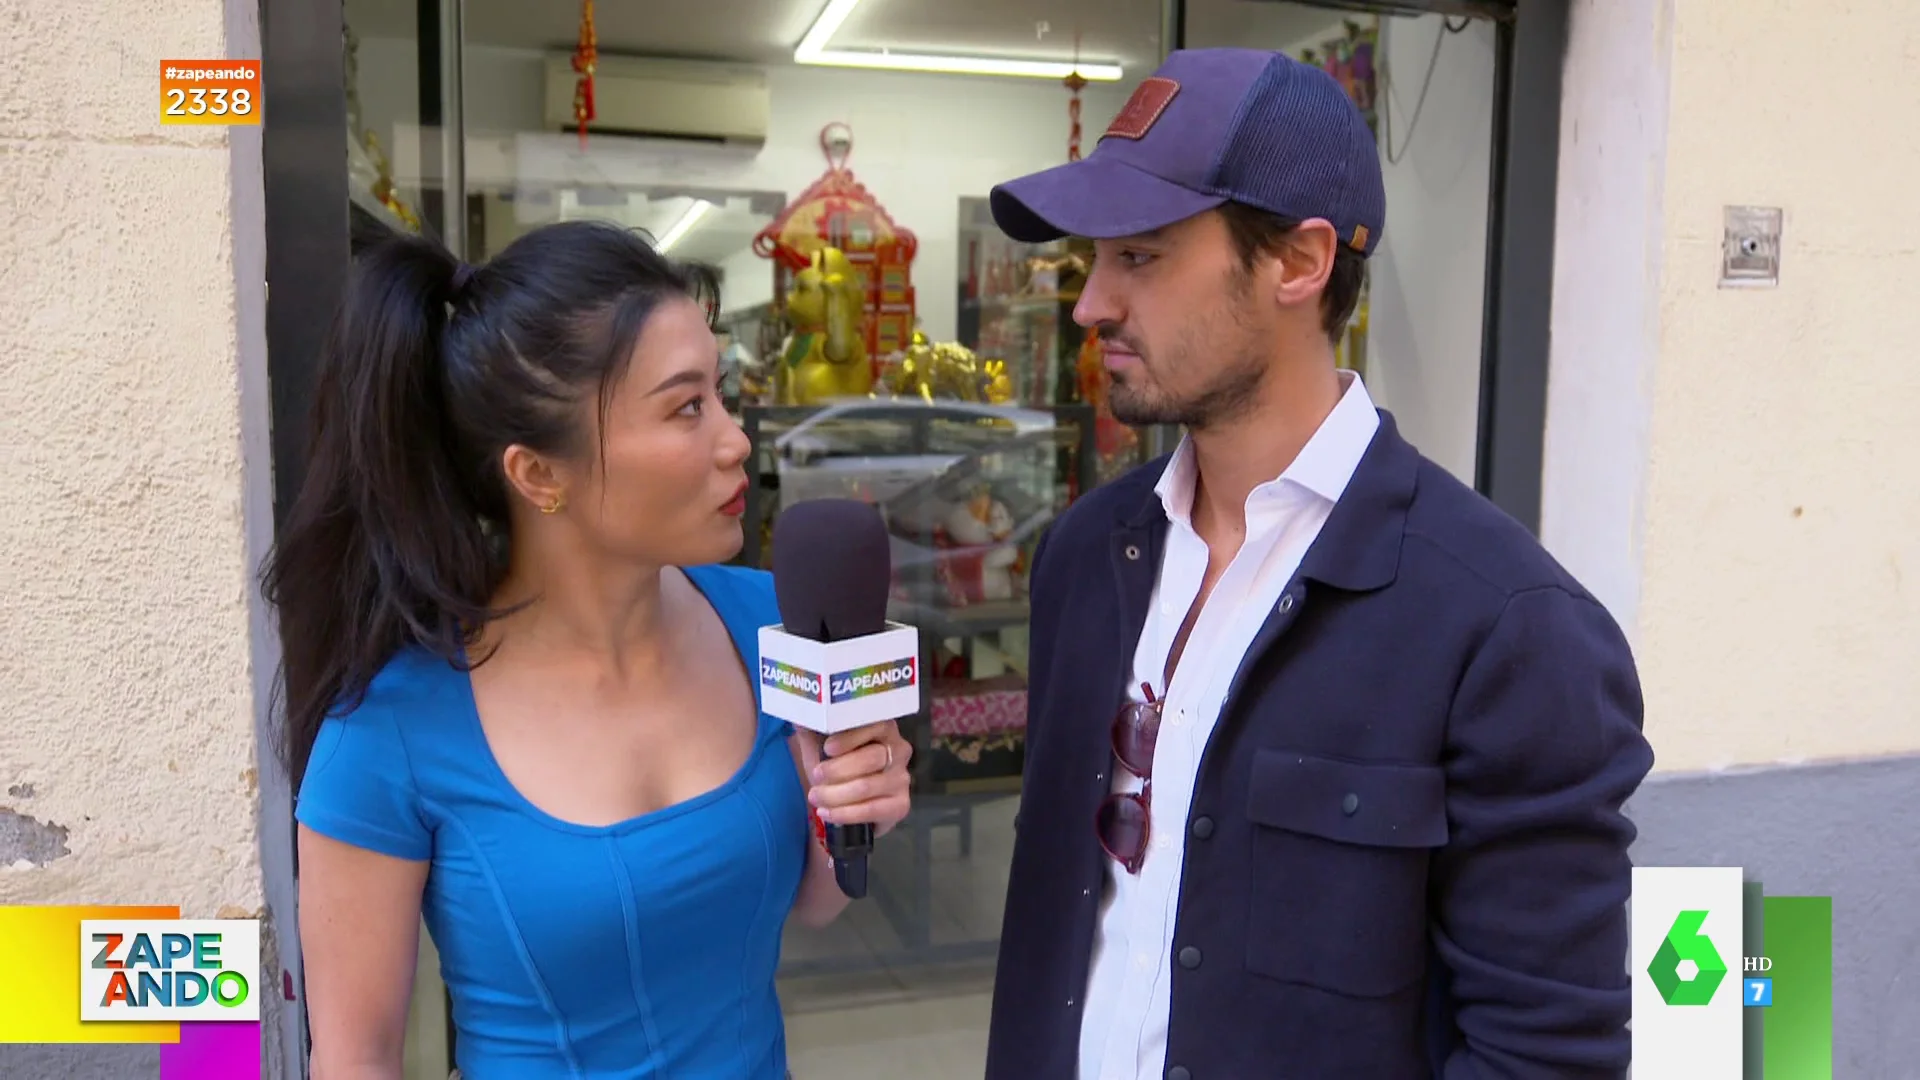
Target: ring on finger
[888,767]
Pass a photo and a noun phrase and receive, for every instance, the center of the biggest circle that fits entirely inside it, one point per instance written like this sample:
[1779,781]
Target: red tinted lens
[1123,829]
[1134,734]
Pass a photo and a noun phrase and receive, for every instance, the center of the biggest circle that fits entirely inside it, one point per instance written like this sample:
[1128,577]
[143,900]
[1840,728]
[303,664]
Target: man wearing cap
[1326,756]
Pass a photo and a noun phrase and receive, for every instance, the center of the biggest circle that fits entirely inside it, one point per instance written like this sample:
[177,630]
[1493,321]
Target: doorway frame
[308,233]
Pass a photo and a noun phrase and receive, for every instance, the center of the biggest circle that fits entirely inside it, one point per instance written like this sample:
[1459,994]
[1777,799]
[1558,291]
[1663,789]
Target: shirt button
[1189,958]
[1142,961]
[1202,828]
[1179,1072]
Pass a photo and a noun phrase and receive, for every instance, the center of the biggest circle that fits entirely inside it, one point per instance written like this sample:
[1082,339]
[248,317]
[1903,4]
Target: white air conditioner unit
[664,99]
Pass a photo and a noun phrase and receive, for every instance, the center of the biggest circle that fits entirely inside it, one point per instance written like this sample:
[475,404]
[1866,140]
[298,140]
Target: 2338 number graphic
[210,92]
[218,101]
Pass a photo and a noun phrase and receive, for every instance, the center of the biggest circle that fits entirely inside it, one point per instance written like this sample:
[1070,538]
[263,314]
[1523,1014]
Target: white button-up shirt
[1123,1032]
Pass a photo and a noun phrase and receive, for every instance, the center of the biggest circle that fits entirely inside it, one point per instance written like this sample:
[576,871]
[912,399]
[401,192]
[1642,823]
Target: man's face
[1189,333]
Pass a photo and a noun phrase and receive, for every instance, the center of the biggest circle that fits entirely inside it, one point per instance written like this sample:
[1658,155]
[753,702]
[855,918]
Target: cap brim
[1098,198]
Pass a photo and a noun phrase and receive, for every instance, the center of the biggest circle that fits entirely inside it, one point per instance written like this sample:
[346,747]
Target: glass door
[978,426]
[396,94]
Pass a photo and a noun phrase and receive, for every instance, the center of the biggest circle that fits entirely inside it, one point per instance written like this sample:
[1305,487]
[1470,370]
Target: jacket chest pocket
[1338,881]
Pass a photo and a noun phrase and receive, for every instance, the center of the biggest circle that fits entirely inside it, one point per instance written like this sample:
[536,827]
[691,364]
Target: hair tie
[462,274]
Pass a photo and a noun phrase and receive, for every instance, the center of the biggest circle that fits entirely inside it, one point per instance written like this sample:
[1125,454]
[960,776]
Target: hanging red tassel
[1075,84]
[586,57]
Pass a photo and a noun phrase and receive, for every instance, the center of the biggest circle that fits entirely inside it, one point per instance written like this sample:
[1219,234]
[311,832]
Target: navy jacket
[1406,855]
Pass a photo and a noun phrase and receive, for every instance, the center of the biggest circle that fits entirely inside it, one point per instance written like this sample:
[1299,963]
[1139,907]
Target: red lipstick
[737,505]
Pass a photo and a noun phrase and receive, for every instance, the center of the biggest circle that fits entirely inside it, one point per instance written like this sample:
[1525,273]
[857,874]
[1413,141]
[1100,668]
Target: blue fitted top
[644,950]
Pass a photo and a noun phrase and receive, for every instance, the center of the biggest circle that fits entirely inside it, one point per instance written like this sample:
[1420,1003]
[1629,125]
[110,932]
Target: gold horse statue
[825,355]
[948,371]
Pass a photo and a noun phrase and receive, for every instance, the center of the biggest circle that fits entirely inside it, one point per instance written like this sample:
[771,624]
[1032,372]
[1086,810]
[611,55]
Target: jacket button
[1286,603]
[1133,553]
[1202,827]
[1179,1072]
[1189,958]
[1350,805]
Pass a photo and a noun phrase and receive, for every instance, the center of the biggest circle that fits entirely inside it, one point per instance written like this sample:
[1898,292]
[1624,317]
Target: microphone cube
[829,687]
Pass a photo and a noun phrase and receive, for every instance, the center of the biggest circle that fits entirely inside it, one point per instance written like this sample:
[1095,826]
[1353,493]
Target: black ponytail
[431,370]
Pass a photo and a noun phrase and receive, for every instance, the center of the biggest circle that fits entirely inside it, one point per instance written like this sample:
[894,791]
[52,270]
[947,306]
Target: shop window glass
[975,418]
[1425,83]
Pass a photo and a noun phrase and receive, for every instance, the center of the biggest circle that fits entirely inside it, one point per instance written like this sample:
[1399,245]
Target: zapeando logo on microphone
[799,682]
[874,679]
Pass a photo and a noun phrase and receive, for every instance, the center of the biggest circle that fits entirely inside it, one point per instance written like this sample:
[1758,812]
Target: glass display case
[1016,304]
[969,443]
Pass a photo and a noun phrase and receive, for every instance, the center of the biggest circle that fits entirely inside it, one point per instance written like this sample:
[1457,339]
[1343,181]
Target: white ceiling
[766,31]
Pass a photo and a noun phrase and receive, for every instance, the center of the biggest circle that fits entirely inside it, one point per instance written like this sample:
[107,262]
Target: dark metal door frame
[1517,335]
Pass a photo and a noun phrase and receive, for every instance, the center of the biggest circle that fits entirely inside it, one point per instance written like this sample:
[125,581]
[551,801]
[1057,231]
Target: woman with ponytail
[517,693]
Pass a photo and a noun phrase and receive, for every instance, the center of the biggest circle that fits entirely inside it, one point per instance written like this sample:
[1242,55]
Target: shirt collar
[1324,467]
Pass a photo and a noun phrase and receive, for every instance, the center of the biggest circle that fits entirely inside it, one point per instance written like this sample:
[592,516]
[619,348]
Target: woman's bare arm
[359,942]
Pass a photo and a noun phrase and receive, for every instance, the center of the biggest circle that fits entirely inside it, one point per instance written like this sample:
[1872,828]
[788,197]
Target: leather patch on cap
[1360,235]
[1143,109]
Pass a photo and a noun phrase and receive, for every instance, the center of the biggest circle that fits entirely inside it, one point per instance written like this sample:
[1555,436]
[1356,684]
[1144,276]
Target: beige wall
[134,500]
[1738,471]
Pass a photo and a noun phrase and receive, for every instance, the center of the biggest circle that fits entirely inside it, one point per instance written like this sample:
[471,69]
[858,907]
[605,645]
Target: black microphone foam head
[832,569]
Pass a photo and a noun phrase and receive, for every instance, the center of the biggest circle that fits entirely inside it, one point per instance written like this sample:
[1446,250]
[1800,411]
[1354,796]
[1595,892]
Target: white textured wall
[1606,324]
[1775,590]
[128,678]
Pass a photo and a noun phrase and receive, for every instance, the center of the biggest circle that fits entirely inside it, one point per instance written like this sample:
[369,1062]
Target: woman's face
[665,483]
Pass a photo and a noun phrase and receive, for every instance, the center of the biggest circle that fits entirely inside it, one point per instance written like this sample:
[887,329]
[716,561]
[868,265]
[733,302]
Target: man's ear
[533,478]
[1306,259]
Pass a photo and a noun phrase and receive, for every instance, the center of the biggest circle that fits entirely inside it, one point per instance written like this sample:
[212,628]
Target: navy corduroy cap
[1209,127]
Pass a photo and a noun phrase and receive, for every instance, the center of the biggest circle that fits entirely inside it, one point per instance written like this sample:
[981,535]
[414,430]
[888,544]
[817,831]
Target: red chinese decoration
[838,211]
[1111,437]
[586,57]
[1075,83]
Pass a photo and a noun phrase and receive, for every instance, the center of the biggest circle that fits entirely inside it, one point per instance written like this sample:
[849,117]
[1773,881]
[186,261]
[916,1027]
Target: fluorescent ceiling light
[678,230]
[813,50]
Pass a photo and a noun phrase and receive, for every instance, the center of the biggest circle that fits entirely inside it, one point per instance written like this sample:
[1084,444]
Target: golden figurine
[1055,275]
[825,356]
[947,371]
[998,381]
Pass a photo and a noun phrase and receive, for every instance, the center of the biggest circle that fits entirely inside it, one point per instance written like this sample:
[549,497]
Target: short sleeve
[359,786]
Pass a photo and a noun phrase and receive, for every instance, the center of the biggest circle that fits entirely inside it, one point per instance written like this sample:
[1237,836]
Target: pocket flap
[1376,805]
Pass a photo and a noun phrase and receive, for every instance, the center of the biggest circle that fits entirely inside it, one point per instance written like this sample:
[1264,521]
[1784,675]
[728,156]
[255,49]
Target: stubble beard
[1229,394]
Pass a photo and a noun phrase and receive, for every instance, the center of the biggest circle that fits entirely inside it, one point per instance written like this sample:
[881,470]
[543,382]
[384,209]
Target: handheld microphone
[836,662]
